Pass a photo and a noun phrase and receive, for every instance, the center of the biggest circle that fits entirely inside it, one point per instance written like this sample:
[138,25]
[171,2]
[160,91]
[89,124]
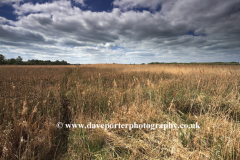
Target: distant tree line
[19,61]
[207,63]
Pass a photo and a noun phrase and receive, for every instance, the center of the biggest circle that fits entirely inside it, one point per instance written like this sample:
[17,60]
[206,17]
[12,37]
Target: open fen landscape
[34,99]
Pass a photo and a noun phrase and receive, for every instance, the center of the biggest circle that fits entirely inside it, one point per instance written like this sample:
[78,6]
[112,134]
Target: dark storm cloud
[44,20]
[7,43]
[130,4]
[16,35]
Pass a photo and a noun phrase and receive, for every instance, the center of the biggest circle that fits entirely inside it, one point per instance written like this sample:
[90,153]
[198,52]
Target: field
[33,99]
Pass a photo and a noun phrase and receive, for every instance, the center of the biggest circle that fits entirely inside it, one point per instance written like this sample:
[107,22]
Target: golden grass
[34,99]
[30,103]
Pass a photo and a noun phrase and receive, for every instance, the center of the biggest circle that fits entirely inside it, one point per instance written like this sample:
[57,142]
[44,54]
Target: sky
[121,31]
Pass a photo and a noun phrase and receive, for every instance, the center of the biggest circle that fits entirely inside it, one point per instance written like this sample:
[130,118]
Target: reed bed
[34,99]
[30,105]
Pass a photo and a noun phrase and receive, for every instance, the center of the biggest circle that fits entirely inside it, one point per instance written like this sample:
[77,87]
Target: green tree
[2,59]
[12,60]
[19,59]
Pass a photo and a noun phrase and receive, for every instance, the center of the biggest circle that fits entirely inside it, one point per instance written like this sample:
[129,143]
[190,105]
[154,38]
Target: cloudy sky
[121,31]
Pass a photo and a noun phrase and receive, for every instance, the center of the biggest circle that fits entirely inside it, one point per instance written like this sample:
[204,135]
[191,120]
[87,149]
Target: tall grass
[182,94]
[30,105]
[34,99]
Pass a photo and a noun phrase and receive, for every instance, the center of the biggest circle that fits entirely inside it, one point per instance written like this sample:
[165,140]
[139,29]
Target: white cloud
[80,2]
[55,6]
[106,45]
[10,1]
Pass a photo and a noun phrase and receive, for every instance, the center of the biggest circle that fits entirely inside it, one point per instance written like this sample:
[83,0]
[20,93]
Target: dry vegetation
[30,105]
[34,99]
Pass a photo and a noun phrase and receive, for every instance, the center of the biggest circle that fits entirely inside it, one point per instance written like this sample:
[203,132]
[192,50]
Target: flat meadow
[33,99]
